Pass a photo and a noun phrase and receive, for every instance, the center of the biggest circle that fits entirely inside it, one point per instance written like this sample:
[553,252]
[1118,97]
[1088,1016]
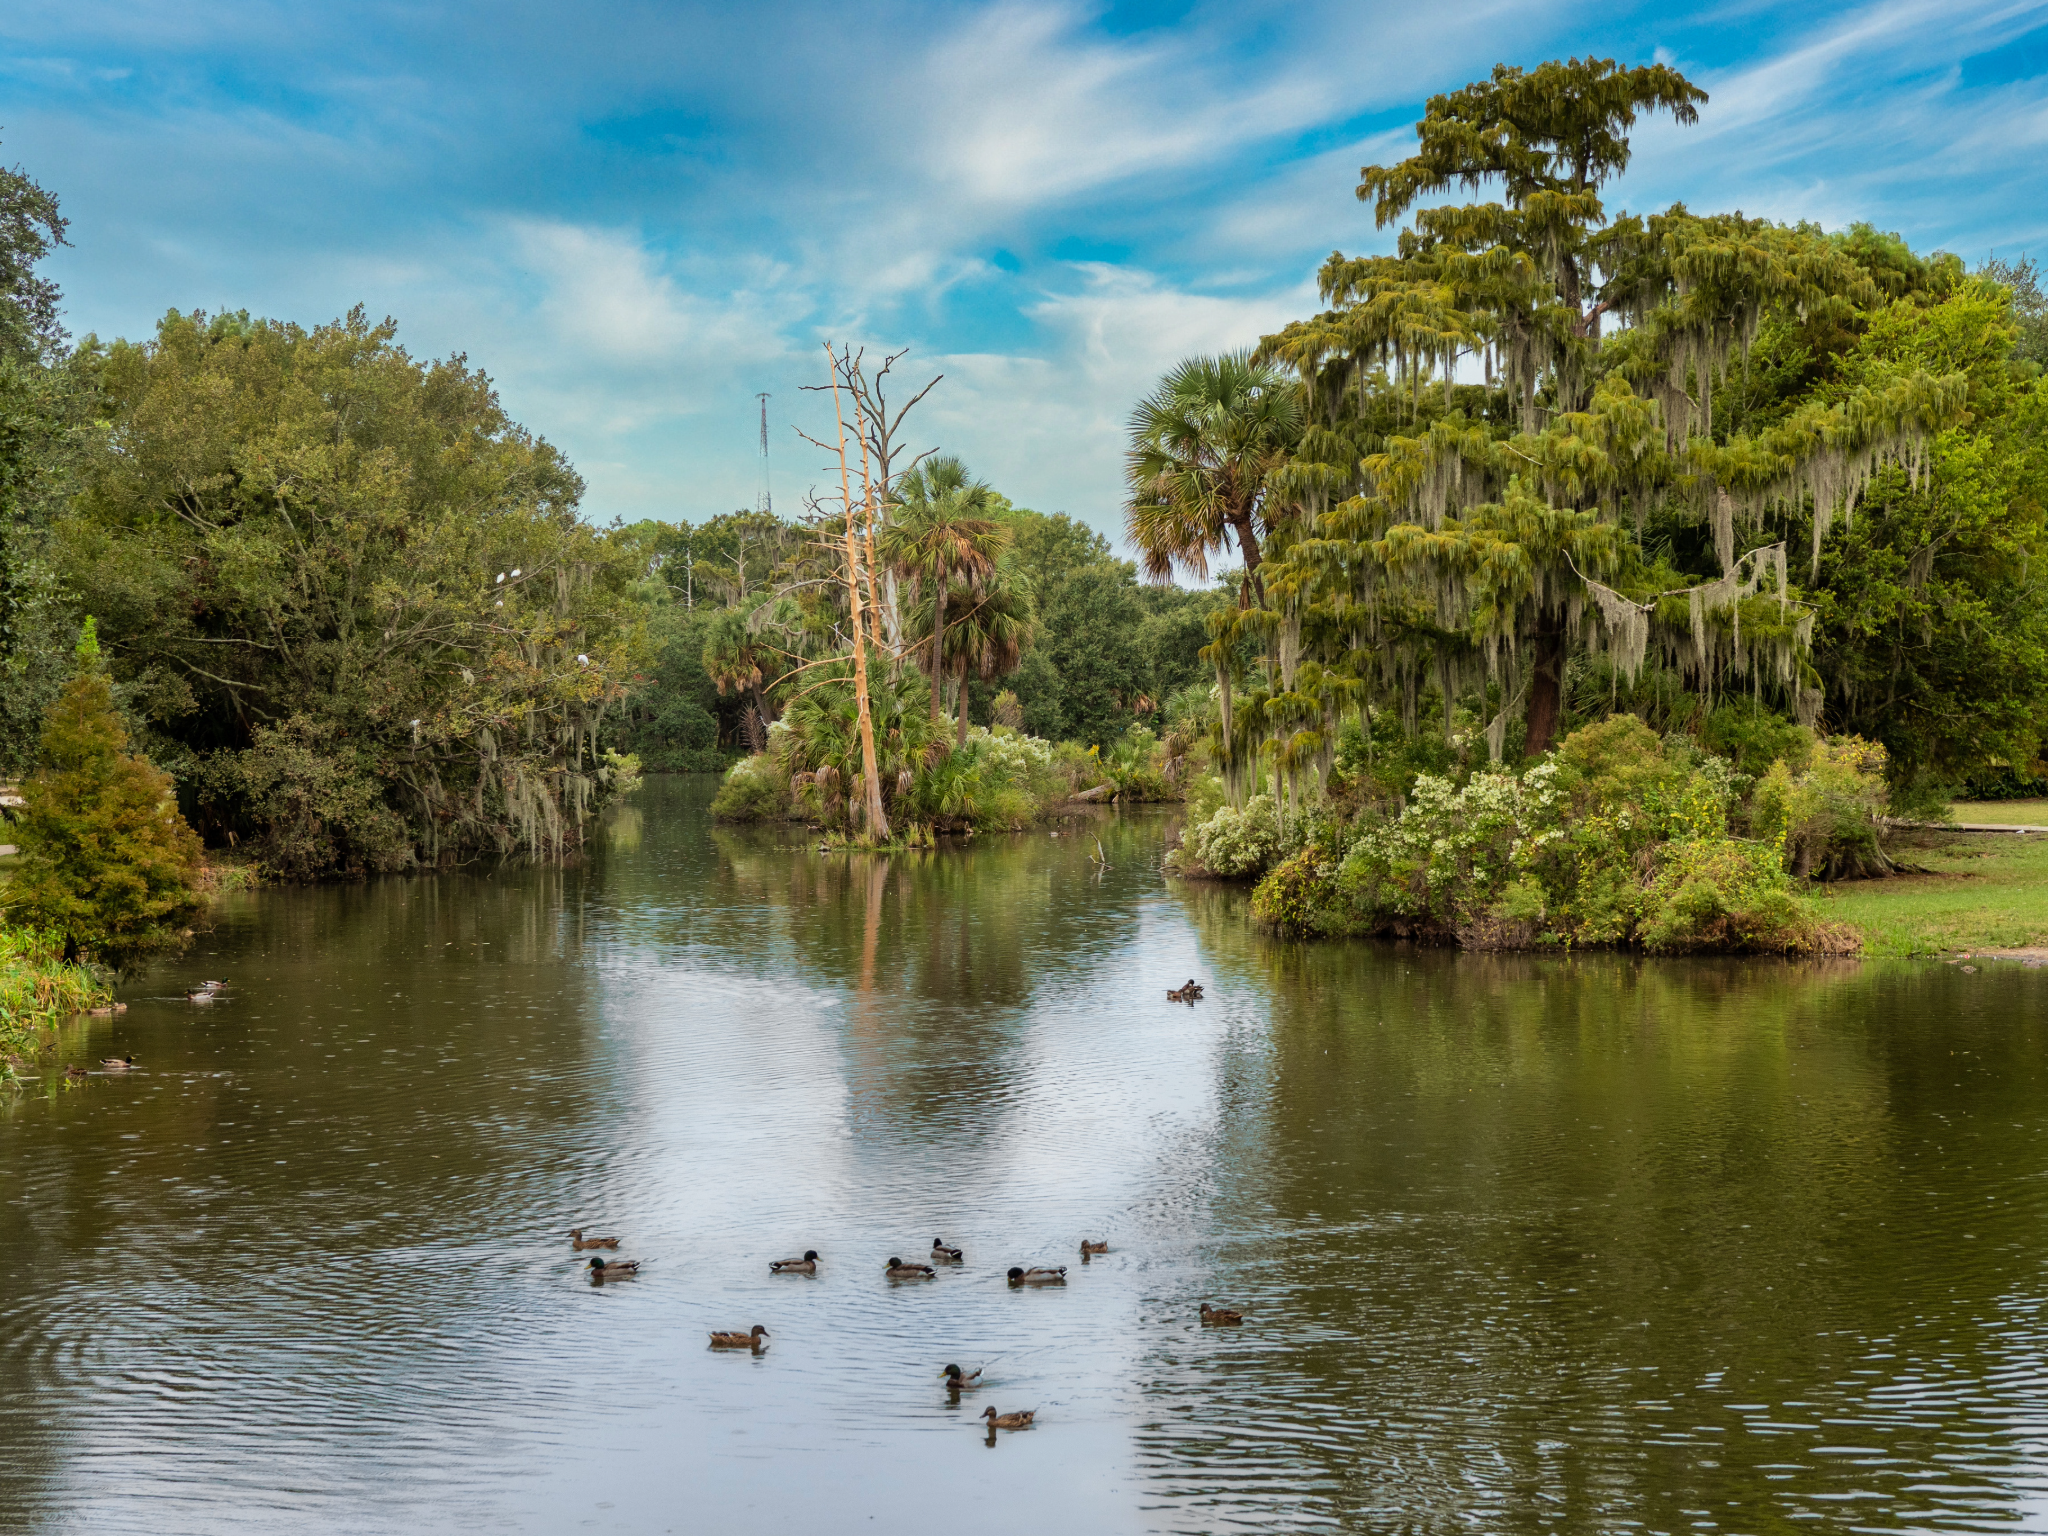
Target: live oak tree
[1496,410]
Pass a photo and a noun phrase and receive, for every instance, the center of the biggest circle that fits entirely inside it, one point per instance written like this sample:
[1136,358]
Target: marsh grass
[1980,891]
[38,990]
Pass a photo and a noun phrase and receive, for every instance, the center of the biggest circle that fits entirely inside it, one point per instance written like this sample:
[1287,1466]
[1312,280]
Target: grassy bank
[1980,891]
[38,990]
[2005,813]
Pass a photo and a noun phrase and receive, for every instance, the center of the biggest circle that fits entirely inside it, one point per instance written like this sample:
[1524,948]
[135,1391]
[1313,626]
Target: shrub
[107,861]
[1231,844]
[753,791]
[1725,894]
[1300,897]
[38,990]
[316,799]
[1826,818]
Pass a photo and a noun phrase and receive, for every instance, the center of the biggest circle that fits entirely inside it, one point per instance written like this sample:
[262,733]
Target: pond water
[1524,1244]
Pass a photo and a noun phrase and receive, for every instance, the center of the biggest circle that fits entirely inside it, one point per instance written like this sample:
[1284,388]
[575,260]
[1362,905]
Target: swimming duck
[617,1269]
[898,1270]
[941,1254]
[1220,1314]
[739,1340]
[1022,1276]
[76,1072]
[202,995]
[807,1265]
[1184,994]
[117,1063]
[955,1382]
[579,1242]
[1088,1247]
[1009,1420]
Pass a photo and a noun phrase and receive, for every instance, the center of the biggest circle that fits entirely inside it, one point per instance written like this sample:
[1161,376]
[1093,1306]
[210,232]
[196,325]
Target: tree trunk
[1546,685]
[960,705]
[936,671]
[1248,543]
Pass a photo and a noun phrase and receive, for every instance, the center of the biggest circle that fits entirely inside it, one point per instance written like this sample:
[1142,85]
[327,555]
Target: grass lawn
[1984,890]
[2007,813]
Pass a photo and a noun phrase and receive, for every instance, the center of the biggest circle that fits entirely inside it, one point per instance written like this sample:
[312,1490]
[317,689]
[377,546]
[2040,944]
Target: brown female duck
[579,1242]
[1009,1420]
[739,1340]
[1220,1314]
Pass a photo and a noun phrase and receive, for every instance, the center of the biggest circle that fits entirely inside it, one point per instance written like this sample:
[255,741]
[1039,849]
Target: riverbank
[38,991]
[1977,891]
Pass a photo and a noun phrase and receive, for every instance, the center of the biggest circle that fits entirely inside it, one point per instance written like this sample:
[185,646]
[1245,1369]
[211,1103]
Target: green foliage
[39,989]
[1617,839]
[1823,813]
[1232,844]
[305,542]
[106,860]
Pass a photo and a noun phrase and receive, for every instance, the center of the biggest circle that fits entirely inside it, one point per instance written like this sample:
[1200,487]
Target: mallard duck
[579,1242]
[1009,1420]
[807,1265]
[211,986]
[941,1254]
[898,1270]
[1184,994]
[203,995]
[1088,1247]
[117,1063]
[1220,1314]
[616,1269]
[739,1340]
[76,1072]
[1022,1276]
[955,1382]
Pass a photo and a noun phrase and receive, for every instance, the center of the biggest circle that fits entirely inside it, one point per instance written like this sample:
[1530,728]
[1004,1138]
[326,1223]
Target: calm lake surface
[1576,1245]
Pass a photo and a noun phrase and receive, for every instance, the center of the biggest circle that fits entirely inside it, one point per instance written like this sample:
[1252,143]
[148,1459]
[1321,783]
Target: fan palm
[988,640]
[942,535]
[1202,445]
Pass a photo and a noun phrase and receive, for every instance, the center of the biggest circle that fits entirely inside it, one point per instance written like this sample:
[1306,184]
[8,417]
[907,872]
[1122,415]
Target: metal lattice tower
[767,498]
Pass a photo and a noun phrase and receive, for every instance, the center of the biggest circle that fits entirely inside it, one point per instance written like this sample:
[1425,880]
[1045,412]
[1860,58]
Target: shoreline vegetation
[40,990]
[1576,577]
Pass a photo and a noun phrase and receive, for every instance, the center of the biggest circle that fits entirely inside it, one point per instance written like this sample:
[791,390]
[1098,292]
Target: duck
[76,1072]
[807,1265]
[1021,1276]
[1220,1314]
[117,1063]
[616,1269]
[579,1242]
[202,995]
[739,1340]
[941,1254]
[898,1270]
[212,986]
[955,1382]
[1009,1420]
[1088,1246]
[1184,994]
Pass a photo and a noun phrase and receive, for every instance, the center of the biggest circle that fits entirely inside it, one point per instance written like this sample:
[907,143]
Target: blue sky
[635,216]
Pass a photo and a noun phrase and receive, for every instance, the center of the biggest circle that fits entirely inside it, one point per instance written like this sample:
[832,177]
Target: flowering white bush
[1234,843]
[1451,846]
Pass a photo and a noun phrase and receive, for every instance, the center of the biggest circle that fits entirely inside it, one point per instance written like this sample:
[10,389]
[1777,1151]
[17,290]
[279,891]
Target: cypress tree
[107,861]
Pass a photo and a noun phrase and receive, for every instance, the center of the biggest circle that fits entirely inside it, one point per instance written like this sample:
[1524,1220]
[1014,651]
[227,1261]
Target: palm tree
[1202,445]
[741,660]
[943,535]
[988,640]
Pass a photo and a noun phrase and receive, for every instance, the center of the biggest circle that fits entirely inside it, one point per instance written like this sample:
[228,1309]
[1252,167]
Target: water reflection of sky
[1525,1244]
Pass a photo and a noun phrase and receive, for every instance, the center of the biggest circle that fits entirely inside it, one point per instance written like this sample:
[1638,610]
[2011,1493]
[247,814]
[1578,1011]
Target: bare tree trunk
[1546,685]
[871,779]
[960,707]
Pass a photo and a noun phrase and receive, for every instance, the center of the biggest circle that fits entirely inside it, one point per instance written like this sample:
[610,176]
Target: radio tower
[767,492]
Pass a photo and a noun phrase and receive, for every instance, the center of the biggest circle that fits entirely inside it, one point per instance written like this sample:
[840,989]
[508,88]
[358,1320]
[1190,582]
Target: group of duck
[603,1270]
